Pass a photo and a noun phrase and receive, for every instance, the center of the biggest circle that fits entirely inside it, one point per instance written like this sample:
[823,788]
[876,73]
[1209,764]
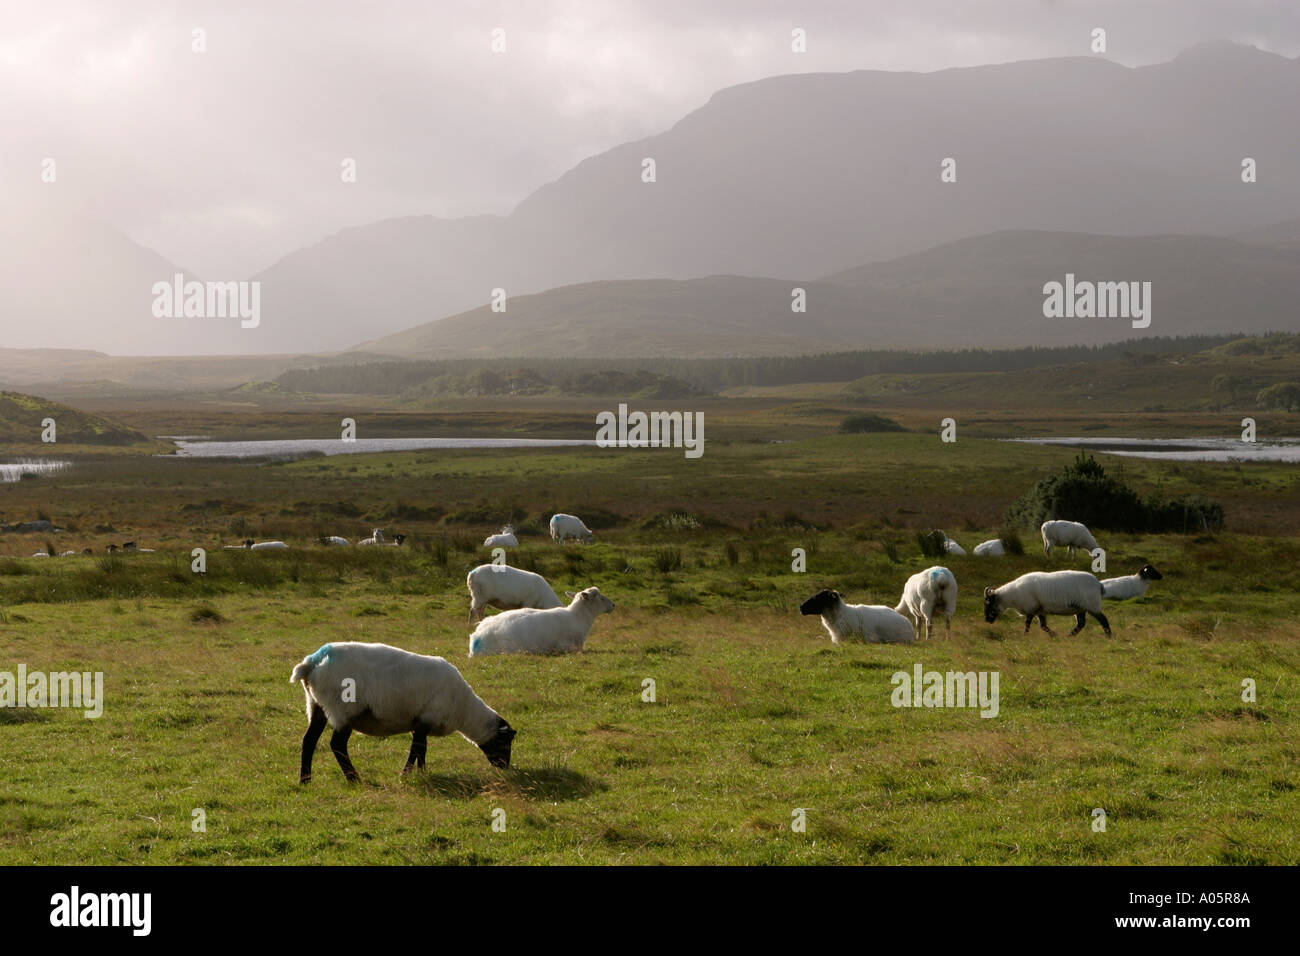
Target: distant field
[757,714]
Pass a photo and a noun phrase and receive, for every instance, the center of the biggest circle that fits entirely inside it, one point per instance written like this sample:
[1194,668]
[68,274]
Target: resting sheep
[334,540]
[506,539]
[392,691]
[1066,534]
[991,549]
[567,526]
[376,537]
[1131,585]
[1040,593]
[252,545]
[873,623]
[552,631]
[925,591]
[506,589]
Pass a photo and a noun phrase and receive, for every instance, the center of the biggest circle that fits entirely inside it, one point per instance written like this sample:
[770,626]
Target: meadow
[756,715]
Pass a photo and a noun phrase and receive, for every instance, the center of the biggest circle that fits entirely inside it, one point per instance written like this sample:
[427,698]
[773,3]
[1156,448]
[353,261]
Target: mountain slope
[986,291]
[21,416]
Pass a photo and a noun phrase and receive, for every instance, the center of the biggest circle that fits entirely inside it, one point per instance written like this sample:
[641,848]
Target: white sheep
[506,589]
[1040,593]
[925,591]
[506,539]
[252,545]
[381,691]
[40,554]
[990,549]
[530,631]
[567,526]
[873,623]
[1131,585]
[376,537]
[1066,534]
[334,540]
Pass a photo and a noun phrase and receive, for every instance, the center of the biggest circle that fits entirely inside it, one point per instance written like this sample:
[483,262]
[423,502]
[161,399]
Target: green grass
[757,714]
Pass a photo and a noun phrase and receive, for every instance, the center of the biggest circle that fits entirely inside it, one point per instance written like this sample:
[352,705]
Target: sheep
[1040,593]
[41,554]
[1067,534]
[131,546]
[334,540]
[392,692]
[555,630]
[376,537]
[396,542]
[506,539]
[949,546]
[507,589]
[873,623]
[925,591]
[251,545]
[1131,585]
[567,526]
[990,549]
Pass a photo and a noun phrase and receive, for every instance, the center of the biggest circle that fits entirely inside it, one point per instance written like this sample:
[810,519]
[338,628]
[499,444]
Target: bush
[1085,493]
[858,424]
[666,560]
[206,614]
[1011,542]
[1285,396]
[933,544]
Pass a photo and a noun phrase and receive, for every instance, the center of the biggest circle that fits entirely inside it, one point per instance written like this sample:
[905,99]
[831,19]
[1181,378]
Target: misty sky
[224,161]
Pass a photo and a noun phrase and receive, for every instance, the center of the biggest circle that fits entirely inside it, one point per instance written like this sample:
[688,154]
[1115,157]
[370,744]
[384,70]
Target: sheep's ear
[988,591]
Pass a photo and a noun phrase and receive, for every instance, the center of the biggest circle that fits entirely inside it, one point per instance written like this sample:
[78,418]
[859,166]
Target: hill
[981,292]
[21,416]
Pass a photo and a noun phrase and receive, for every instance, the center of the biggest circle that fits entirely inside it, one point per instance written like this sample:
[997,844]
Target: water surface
[1183,449]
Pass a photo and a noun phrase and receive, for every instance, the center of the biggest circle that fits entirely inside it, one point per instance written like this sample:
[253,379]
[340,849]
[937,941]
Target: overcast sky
[225,160]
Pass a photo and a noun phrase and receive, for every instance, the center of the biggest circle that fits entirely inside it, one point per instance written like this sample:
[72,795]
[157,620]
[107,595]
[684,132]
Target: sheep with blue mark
[381,691]
[925,592]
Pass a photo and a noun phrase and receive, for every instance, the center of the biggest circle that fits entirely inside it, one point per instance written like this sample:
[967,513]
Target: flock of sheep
[381,690]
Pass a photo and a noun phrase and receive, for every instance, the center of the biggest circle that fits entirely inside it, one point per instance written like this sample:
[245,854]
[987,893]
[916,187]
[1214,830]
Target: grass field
[756,713]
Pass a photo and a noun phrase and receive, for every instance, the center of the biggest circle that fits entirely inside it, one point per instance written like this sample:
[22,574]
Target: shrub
[1011,541]
[1084,492]
[933,544]
[1285,396]
[666,560]
[206,614]
[858,424]
[733,555]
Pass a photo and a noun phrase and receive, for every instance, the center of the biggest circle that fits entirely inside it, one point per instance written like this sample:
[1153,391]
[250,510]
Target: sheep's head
[398,539]
[1149,573]
[597,602]
[992,605]
[821,602]
[248,542]
[497,749]
[587,537]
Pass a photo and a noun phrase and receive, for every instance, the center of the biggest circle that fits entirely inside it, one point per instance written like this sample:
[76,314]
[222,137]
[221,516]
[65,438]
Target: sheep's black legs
[314,729]
[419,743]
[1080,620]
[1042,622]
[1101,619]
[339,744]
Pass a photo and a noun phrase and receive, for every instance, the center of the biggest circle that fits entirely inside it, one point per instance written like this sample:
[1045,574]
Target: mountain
[811,174]
[980,292]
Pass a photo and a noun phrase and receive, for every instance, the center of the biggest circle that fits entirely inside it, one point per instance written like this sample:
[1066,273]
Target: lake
[1182,449]
[298,447]
[34,466]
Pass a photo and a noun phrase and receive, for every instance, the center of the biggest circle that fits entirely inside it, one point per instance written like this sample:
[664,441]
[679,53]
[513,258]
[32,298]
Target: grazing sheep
[1131,585]
[69,554]
[506,539]
[1040,593]
[567,526]
[333,540]
[376,537]
[1066,534]
[507,589]
[991,549]
[926,590]
[392,692]
[530,631]
[873,623]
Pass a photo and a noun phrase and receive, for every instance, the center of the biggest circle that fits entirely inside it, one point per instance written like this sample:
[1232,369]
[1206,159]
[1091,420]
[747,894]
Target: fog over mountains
[827,181]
